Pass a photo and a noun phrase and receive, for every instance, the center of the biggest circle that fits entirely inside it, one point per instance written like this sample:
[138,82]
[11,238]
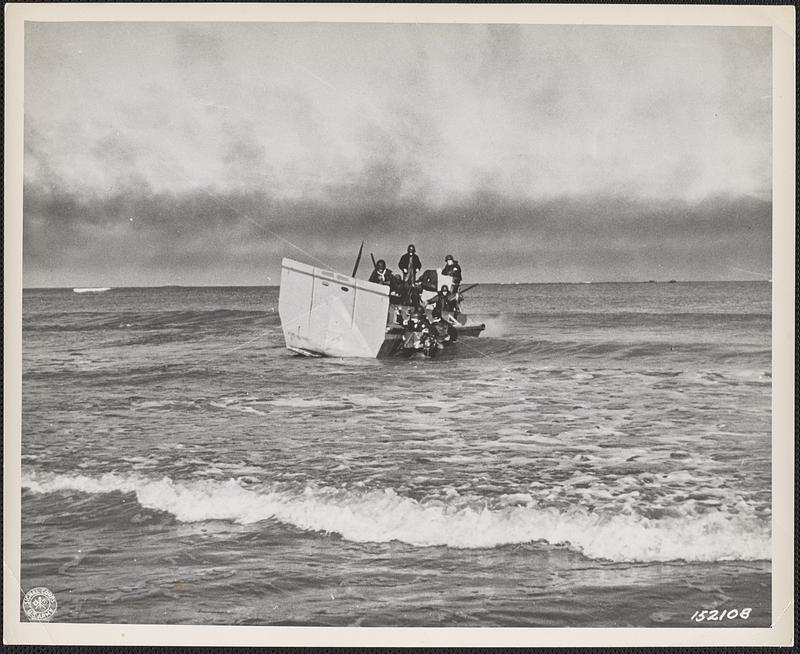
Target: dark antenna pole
[358,259]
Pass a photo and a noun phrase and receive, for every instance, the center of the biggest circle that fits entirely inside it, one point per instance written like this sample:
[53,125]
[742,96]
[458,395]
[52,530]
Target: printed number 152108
[716,615]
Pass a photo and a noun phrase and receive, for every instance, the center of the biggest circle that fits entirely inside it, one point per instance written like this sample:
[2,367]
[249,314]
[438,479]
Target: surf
[383,515]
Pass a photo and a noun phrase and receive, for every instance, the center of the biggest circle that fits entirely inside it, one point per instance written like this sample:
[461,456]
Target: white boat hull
[324,313]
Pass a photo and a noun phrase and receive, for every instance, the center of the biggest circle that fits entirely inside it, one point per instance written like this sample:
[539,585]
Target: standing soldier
[452,268]
[410,265]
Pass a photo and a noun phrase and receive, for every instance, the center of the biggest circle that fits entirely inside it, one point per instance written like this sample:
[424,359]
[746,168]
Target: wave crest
[383,516]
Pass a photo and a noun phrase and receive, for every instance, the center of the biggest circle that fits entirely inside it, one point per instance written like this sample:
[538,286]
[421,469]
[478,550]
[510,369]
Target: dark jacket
[444,331]
[409,261]
[454,270]
[378,278]
[442,302]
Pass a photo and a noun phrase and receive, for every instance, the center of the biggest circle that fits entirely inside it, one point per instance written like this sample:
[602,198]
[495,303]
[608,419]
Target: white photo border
[780,18]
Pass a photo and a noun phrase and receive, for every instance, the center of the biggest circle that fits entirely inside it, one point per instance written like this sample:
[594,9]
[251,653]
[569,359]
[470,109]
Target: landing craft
[324,313]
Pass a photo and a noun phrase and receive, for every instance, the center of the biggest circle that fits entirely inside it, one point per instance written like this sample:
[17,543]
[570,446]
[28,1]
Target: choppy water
[600,456]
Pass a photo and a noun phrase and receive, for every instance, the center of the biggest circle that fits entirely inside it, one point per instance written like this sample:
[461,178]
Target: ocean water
[600,456]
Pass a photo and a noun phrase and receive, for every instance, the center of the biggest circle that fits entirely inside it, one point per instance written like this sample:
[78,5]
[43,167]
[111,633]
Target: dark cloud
[203,153]
[240,237]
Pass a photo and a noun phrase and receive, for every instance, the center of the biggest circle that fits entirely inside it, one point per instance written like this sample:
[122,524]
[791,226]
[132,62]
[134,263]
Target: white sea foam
[303,403]
[383,516]
[365,400]
[239,408]
[496,327]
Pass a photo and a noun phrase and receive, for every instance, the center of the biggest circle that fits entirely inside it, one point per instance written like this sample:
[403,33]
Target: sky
[201,154]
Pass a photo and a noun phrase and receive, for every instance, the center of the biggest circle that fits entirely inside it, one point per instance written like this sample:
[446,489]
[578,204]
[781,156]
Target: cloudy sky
[188,153]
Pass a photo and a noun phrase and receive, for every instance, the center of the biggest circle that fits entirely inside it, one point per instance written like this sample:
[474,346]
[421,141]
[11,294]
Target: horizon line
[581,283]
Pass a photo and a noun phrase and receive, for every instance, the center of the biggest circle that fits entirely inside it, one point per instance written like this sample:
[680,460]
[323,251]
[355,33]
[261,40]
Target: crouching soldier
[418,334]
[417,322]
[441,302]
[444,331]
[396,290]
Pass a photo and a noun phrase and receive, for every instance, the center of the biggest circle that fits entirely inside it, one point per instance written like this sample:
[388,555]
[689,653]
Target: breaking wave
[383,516]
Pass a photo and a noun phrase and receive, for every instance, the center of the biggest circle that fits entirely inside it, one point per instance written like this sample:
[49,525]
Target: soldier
[417,322]
[452,268]
[442,300]
[419,335]
[381,274]
[410,265]
[396,289]
[444,331]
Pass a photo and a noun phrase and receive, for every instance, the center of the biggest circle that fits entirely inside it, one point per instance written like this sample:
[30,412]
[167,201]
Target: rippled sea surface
[599,457]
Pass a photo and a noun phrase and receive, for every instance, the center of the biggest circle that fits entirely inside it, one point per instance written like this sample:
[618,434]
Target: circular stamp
[39,604]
